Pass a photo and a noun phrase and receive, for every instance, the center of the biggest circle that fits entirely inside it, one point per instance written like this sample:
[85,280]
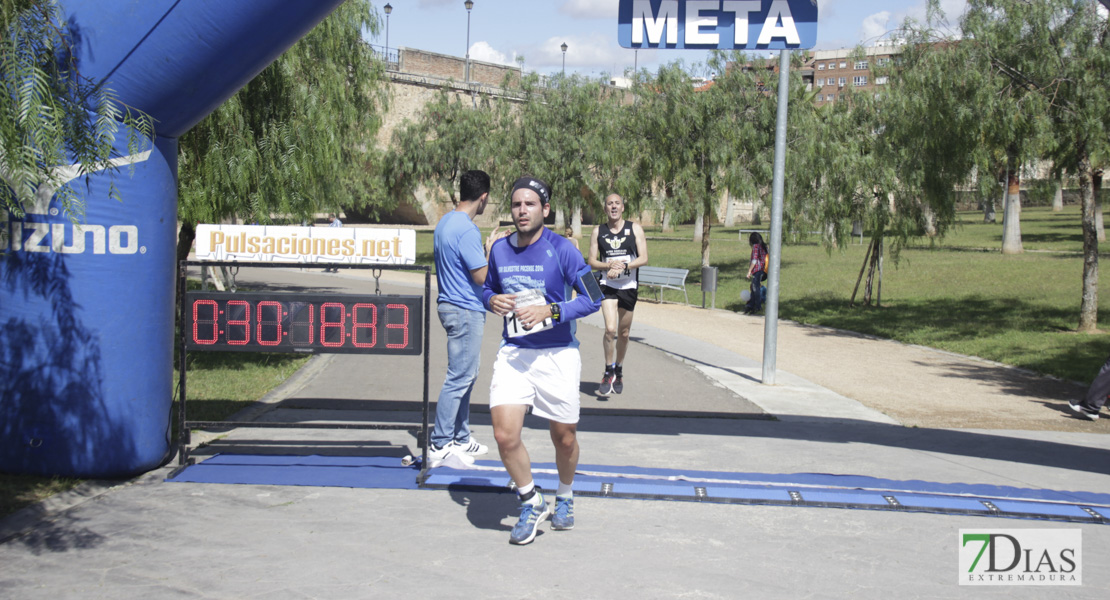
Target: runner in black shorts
[617,247]
[626,299]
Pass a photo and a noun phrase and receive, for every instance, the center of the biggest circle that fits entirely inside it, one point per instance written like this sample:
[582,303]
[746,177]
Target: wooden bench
[665,277]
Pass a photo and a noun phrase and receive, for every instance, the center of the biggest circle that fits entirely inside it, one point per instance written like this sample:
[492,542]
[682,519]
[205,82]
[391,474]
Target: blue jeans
[464,345]
[756,301]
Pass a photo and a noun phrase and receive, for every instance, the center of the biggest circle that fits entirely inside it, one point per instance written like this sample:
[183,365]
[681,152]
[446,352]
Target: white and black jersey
[618,246]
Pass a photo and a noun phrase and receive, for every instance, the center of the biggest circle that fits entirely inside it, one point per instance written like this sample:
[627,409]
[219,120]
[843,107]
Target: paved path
[693,402]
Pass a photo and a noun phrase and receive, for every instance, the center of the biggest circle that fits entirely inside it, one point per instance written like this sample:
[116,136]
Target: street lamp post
[564,47]
[388,9]
[469,5]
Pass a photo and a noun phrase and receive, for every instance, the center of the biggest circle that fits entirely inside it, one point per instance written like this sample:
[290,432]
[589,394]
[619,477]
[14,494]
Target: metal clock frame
[184,425]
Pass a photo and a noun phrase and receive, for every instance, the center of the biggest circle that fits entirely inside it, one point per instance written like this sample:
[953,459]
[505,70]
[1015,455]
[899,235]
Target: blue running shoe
[563,518]
[530,518]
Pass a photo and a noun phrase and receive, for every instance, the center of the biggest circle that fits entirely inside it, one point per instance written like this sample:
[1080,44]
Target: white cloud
[826,9]
[880,23]
[594,51]
[484,52]
[874,26]
[952,9]
[590,9]
[435,3]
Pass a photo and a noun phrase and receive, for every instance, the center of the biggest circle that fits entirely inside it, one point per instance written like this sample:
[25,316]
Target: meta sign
[718,24]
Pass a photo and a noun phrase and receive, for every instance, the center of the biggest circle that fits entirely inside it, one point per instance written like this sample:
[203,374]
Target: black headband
[531,183]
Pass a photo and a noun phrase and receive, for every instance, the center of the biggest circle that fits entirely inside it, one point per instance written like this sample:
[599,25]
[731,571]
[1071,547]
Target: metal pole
[468,45]
[771,332]
[425,436]
[182,431]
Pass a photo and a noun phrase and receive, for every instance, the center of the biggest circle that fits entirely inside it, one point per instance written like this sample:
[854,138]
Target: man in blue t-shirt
[531,277]
[461,263]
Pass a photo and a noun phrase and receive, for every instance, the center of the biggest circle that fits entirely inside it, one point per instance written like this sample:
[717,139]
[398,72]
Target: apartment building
[832,73]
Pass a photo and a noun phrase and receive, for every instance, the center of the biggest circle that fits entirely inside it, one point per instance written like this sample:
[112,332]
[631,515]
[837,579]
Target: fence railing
[390,56]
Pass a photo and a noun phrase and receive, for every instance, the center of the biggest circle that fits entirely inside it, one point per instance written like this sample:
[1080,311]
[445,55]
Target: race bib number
[621,279]
[535,297]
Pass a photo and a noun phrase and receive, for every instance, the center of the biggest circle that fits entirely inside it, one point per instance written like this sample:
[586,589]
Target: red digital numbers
[300,323]
[206,313]
[238,322]
[365,323]
[269,323]
[333,322]
[403,325]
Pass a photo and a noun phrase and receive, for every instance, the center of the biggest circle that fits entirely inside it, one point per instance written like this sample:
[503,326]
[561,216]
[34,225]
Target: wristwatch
[555,312]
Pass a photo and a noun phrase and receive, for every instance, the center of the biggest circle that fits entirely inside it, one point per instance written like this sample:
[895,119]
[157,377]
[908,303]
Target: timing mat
[796,489]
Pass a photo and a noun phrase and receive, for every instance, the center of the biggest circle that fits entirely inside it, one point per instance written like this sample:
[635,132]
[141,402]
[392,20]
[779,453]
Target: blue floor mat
[797,489]
[323,471]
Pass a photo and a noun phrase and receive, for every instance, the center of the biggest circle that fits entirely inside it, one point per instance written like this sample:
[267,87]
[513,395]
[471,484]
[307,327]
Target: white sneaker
[471,448]
[1083,411]
[439,453]
[448,456]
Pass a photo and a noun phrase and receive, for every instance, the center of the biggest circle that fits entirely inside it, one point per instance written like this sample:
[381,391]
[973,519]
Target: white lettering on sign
[695,21]
[643,17]
[780,11]
[51,237]
[741,8]
[701,22]
[67,238]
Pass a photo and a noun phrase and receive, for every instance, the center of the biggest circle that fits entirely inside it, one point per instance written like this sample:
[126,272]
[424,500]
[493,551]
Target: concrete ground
[842,404]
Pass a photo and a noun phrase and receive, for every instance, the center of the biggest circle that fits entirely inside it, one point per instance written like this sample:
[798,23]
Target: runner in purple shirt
[538,369]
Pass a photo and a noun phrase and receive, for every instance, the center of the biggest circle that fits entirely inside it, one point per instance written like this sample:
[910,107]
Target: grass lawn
[958,294]
[17,491]
[222,383]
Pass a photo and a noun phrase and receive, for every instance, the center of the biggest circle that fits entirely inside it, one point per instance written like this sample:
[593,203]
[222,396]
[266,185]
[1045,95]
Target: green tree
[297,139]
[51,116]
[453,133]
[623,165]
[1056,52]
[701,141]
[560,138]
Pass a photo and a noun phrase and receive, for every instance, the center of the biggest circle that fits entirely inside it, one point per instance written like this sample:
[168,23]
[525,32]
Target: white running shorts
[546,379]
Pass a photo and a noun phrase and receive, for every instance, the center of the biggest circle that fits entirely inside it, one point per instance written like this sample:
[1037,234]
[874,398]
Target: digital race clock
[312,323]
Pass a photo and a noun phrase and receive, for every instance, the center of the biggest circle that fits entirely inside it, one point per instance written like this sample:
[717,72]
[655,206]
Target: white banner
[306,245]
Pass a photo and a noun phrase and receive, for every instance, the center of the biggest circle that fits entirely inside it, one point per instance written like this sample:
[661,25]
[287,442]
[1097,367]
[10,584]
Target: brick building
[833,73]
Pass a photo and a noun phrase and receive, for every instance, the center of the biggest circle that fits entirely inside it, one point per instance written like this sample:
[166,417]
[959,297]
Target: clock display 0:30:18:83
[304,323]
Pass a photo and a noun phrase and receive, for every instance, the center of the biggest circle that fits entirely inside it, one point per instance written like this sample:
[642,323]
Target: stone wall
[422,62]
[420,77]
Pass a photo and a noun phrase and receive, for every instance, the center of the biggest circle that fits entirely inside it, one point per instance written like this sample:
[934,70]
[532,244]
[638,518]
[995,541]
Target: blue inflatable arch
[87,315]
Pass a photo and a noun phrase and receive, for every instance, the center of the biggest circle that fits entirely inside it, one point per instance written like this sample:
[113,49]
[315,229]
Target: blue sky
[501,30]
